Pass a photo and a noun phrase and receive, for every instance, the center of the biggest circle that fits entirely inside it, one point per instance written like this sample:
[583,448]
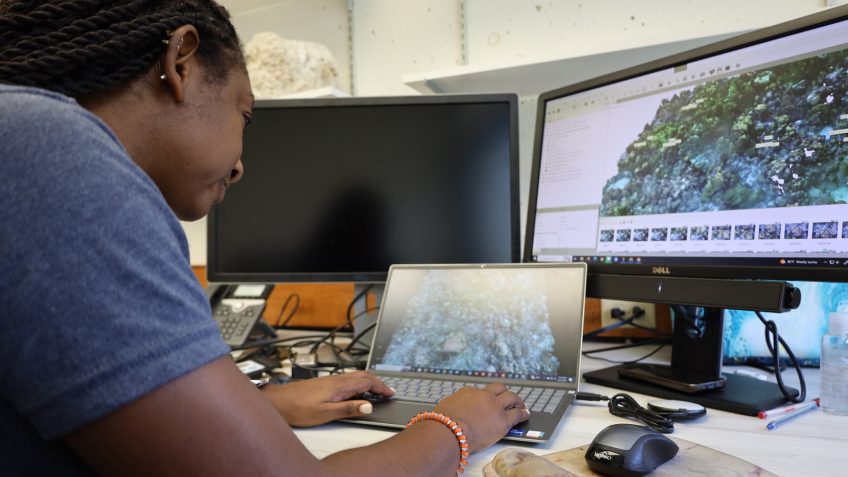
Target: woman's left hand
[320,400]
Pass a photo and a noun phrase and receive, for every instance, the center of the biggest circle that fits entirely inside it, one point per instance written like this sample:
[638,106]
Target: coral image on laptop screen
[486,320]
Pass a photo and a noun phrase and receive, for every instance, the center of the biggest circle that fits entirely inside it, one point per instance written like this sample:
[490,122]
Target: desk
[813,445]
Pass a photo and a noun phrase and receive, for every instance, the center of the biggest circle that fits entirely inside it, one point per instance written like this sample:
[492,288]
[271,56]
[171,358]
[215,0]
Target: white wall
[388,39]
[393,37]
[513,30]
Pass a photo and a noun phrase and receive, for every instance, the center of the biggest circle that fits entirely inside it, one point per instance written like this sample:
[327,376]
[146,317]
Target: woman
[117,118]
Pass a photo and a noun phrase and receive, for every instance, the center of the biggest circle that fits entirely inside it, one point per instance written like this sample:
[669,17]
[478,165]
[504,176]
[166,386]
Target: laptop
[441,327]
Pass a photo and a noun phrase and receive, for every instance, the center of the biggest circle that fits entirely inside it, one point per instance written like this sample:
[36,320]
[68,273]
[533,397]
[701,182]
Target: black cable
[292,297]
[758,363]
[332,334]
[349,320]
[661,341]
[346,357]
[348,324]
[623,405]
[329,339]
[270,341]
[359,336]
[339,362]
[623,322]
[618,314]
[604,329]
[317,365]
[638,312]
[695,331]
[771,332]
[312,369]
[664,340]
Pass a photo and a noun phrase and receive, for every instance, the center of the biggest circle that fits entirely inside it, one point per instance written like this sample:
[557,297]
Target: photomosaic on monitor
[704,180]
[729,161]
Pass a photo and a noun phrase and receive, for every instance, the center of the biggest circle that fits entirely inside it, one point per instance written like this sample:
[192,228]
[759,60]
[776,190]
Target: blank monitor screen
[340,189]
[726,162]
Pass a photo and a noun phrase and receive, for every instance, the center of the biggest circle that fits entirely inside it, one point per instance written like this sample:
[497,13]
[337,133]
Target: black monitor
[338,189]
[708,178]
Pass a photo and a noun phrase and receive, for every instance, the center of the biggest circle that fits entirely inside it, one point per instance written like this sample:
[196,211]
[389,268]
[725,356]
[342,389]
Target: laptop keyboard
[544,400]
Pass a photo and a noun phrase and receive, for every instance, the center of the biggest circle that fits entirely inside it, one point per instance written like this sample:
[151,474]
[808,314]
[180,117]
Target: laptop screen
[520,322]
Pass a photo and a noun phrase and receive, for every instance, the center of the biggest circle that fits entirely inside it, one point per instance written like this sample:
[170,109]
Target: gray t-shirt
[98,302]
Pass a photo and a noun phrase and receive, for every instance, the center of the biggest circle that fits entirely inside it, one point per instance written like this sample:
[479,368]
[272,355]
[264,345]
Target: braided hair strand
[77,47]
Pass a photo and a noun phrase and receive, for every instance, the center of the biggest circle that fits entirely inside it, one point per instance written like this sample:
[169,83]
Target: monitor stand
[697,349]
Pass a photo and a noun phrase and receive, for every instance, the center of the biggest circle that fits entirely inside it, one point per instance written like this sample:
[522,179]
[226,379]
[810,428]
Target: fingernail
[526,411]
[366,408]
[393,390]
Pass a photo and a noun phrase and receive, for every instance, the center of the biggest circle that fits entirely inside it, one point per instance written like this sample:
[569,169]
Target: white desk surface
[815,444]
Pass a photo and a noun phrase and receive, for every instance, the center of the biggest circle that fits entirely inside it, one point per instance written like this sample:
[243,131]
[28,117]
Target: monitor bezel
[671,269]
[212,266]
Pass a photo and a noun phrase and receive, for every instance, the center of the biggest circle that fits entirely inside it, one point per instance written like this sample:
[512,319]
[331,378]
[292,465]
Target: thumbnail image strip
[721,232]
[826,230]
[679,234]
[770,231]
[701,232]
[796,231]
[743,232]
[659,234]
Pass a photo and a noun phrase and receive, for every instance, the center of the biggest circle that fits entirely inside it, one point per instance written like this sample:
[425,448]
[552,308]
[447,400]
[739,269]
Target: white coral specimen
[280,66]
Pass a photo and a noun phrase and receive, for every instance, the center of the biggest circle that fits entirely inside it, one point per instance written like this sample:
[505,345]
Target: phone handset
[237,309]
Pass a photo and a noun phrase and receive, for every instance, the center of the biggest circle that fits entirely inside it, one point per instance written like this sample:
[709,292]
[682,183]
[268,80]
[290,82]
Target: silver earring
[167,41]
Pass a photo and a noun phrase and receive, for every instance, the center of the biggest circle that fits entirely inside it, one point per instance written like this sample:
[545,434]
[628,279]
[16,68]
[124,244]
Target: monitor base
[741,394]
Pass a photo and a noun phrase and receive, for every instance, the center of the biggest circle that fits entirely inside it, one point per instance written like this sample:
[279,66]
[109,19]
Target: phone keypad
[236,318]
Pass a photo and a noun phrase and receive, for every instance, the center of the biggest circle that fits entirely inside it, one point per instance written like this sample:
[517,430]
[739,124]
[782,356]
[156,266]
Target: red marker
[788,409]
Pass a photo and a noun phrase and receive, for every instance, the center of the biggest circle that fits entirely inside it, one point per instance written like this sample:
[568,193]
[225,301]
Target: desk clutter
[692,459]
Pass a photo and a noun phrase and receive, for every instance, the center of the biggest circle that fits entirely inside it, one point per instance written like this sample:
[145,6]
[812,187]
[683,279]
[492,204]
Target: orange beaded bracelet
[454,427]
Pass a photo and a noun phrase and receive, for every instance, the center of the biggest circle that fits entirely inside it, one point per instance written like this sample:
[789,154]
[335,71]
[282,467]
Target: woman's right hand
[486,414]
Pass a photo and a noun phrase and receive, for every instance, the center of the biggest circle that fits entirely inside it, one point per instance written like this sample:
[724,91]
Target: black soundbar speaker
[770,296]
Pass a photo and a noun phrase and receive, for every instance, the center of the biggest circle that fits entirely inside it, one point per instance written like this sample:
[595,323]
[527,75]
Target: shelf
[534,77]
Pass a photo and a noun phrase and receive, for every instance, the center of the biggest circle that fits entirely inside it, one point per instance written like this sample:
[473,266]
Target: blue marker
[779,421]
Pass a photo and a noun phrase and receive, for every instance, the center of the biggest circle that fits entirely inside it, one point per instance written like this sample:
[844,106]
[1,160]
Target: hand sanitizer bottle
[834,365]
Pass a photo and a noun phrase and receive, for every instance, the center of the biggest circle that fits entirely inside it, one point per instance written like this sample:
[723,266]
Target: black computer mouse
[628,450]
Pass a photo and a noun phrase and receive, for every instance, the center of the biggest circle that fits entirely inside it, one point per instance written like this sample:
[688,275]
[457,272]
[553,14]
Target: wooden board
[691,459]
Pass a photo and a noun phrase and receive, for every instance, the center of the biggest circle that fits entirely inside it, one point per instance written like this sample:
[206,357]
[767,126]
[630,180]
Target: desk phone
[237,309]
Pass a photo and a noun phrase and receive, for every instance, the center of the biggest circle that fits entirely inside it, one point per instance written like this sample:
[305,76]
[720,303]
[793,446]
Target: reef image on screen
[468,320]
[774,137]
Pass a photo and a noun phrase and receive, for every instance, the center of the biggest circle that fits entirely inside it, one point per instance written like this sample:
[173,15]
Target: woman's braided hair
[77,47]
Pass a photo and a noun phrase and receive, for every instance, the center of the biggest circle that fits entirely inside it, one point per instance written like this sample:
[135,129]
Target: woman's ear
[178,62]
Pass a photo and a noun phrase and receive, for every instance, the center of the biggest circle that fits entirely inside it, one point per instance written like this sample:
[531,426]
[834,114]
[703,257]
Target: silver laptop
[441,327]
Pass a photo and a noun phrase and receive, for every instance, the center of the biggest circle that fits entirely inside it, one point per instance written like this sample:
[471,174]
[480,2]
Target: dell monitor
[339,189]
[708,178]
